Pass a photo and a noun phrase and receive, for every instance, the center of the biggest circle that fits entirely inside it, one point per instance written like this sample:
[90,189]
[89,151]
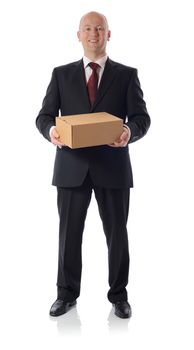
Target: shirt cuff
[52,127]
[129,130]
[125,126]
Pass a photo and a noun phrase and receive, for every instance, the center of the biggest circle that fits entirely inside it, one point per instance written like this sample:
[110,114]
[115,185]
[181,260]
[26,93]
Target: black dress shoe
[60,307]
[122,309]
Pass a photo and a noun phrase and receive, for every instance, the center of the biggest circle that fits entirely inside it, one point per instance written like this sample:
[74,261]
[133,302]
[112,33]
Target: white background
[155,37]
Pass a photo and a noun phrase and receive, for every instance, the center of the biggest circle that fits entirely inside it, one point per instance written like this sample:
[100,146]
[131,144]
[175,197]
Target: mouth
[93,41]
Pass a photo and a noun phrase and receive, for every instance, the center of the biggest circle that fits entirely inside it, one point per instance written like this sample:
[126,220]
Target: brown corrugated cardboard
[85,130]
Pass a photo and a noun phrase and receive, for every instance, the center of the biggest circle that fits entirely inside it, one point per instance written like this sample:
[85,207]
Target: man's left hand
[123,140]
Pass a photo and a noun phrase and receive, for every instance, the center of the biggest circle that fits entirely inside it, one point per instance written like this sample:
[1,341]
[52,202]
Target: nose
[94,32]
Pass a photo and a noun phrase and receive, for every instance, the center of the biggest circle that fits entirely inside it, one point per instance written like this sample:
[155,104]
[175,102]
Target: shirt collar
[101,61]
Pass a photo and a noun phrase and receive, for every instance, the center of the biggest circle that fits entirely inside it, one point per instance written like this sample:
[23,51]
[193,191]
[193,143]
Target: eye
[87,29]
[99,28]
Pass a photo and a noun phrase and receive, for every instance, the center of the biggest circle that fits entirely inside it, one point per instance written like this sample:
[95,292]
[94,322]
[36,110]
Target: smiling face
[93,34]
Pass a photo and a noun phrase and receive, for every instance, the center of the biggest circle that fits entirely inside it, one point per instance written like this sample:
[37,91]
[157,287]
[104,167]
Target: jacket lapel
[80,79]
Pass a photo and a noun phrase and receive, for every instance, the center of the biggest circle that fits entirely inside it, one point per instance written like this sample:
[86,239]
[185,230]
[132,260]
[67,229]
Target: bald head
[93,14]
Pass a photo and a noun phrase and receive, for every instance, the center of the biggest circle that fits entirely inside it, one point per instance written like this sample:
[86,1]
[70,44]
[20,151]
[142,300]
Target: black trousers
[113,205]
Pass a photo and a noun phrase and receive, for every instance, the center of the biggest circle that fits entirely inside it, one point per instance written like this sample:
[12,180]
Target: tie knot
[94,66]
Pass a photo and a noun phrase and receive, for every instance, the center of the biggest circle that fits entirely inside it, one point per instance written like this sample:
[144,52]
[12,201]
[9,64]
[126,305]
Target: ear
[78,35]
[109,35]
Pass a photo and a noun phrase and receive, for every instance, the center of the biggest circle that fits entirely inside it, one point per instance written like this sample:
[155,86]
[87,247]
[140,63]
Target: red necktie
[93,82]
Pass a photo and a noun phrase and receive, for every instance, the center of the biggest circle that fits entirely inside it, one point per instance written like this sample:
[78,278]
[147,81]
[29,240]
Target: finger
[116,144]
[55,134]
[124,136]
[121,144]
[112,144]
[56,142]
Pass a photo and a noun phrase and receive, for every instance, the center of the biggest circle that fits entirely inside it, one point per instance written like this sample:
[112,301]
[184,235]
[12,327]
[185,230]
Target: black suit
[104,168]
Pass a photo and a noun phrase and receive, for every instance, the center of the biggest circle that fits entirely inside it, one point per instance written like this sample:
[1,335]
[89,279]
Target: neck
[93,56]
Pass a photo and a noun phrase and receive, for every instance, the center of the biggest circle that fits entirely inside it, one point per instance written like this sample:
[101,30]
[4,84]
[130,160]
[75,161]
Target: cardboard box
[85,130]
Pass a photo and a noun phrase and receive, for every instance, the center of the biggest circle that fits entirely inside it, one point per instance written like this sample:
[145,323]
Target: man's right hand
[55,137]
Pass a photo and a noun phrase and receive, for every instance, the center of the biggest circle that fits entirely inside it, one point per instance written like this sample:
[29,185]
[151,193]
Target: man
[105,169]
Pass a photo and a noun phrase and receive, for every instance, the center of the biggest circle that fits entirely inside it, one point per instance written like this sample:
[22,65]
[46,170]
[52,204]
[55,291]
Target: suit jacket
[119,94]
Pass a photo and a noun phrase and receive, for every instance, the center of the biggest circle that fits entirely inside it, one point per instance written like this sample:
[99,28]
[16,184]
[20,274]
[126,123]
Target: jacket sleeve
[50,108]
[137,115]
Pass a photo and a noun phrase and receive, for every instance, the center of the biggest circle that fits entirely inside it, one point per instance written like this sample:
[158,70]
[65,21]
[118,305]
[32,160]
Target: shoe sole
[122,316]
[68,308]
